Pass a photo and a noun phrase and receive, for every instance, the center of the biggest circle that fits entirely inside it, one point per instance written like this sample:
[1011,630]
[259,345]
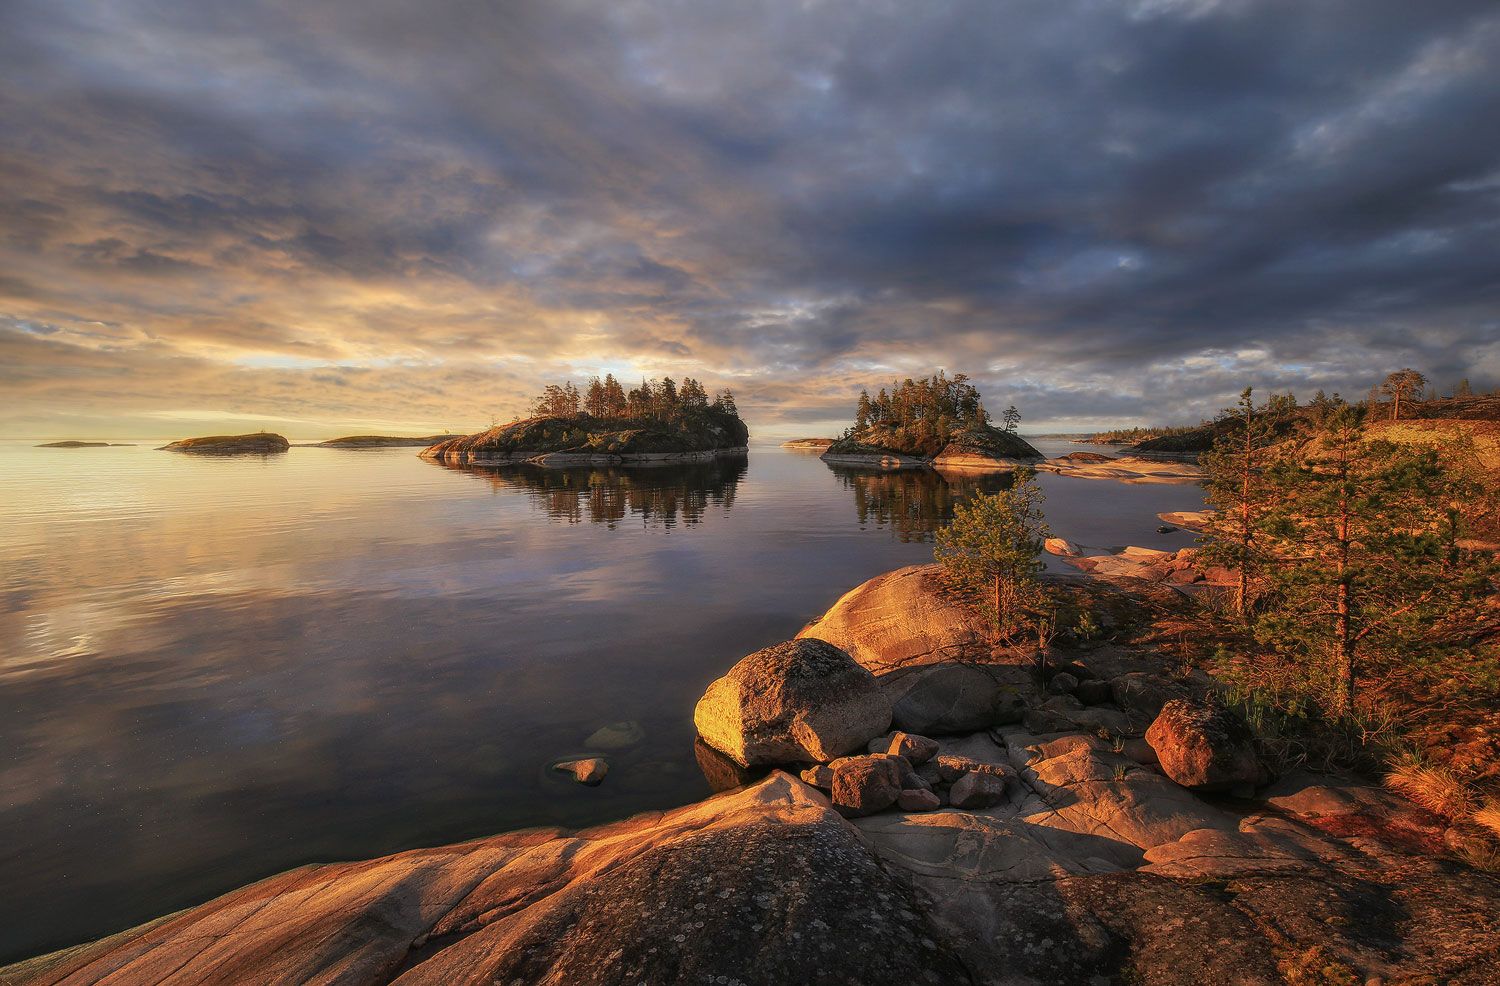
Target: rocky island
[381,441]
[657,424]
[935,422]
[260,443]
[73,443]
[810,444]
[902,803]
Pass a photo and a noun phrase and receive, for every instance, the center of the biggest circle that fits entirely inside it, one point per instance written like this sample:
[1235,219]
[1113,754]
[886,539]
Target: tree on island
[863,411]
[1366,575]
[992,551]
[1011,419]
[1405,384]
[607,399]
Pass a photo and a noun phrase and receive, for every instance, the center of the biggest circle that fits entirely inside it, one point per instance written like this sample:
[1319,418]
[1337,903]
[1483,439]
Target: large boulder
[944,699]
[794,702]
[900,619]
[1204,746]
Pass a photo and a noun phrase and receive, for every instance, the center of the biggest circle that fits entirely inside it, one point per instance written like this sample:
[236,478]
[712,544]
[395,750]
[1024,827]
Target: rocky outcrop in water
[261,443]
[975,449]
[1125,469]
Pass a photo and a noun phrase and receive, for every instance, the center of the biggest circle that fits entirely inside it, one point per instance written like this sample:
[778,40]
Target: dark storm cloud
[1100,210]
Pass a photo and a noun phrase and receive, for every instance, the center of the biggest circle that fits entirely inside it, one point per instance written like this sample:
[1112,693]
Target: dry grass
[1488,817]
[1317,966]
[1435,788]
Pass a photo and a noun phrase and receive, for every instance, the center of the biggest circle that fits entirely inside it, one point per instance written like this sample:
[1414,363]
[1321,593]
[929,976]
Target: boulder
[946,699]
[1061,546]
[977,789]
[798,701]
[865,785]
[589,771]
[919,799]
[900,619]
[916,749]
[1205,746]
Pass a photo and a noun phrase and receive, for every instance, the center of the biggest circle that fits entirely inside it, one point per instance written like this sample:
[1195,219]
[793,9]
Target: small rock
[918,800]
[616,736]
[1062,683]
[865,785]
[977,789]
[952,767]
[1061,546]
[916,749]
[1063,704]
[1165,529]
[589,771]
[819,776]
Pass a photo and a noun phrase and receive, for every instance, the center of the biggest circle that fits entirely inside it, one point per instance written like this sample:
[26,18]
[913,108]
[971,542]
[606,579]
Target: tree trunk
[1344,671]
[1000,614]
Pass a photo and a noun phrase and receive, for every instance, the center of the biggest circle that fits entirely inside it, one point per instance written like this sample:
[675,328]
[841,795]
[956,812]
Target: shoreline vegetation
[655,424]
[936,422]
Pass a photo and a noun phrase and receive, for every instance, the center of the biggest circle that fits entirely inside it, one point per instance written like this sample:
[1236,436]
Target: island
[381,441]
[655,424]
[810,444]
[260,443]
[78,444]
[935,422]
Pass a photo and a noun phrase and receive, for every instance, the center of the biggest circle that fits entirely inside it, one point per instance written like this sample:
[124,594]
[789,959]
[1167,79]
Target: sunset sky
[331,217]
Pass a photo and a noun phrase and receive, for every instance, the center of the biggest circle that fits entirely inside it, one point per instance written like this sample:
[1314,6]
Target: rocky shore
[260,443]
[1126,469]
[903,804]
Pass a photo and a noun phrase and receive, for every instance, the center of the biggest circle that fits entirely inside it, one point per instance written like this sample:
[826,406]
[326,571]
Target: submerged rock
[616,736]
[794,702]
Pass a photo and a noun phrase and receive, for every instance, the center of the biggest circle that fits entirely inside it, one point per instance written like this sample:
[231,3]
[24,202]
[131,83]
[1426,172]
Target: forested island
[260,443]
[656,423]
[936,421]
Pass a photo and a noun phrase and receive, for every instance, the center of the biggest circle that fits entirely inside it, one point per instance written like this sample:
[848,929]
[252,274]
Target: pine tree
[1463,389]
[1367,562]
[594,403]
[725,402]
[862,411]
[1405,384]
[1011,419]
[1237,490]
[992,549]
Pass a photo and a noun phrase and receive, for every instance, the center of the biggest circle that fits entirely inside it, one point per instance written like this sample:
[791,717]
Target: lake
[212,670]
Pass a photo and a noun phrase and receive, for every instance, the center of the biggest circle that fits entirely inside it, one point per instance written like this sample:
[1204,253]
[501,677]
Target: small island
[936,422]
[260,443]
[811,444]
[78,444]
[381,441]
[658,423]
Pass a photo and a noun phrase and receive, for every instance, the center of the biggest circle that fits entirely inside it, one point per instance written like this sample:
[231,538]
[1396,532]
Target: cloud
[368,211]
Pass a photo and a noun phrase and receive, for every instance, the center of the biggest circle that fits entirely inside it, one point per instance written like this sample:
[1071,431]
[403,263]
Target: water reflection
[659,495]
[913,503]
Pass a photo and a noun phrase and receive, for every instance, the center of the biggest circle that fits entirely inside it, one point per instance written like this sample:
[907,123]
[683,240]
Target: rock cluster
[1183,568]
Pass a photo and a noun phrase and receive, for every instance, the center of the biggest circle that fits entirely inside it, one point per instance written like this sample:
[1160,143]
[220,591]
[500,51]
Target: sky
[369,215]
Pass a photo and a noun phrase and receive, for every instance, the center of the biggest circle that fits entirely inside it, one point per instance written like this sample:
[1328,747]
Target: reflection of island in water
[913,503]
[658,495]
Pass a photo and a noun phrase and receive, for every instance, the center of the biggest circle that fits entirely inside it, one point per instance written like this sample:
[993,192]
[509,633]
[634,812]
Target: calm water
[212,670]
